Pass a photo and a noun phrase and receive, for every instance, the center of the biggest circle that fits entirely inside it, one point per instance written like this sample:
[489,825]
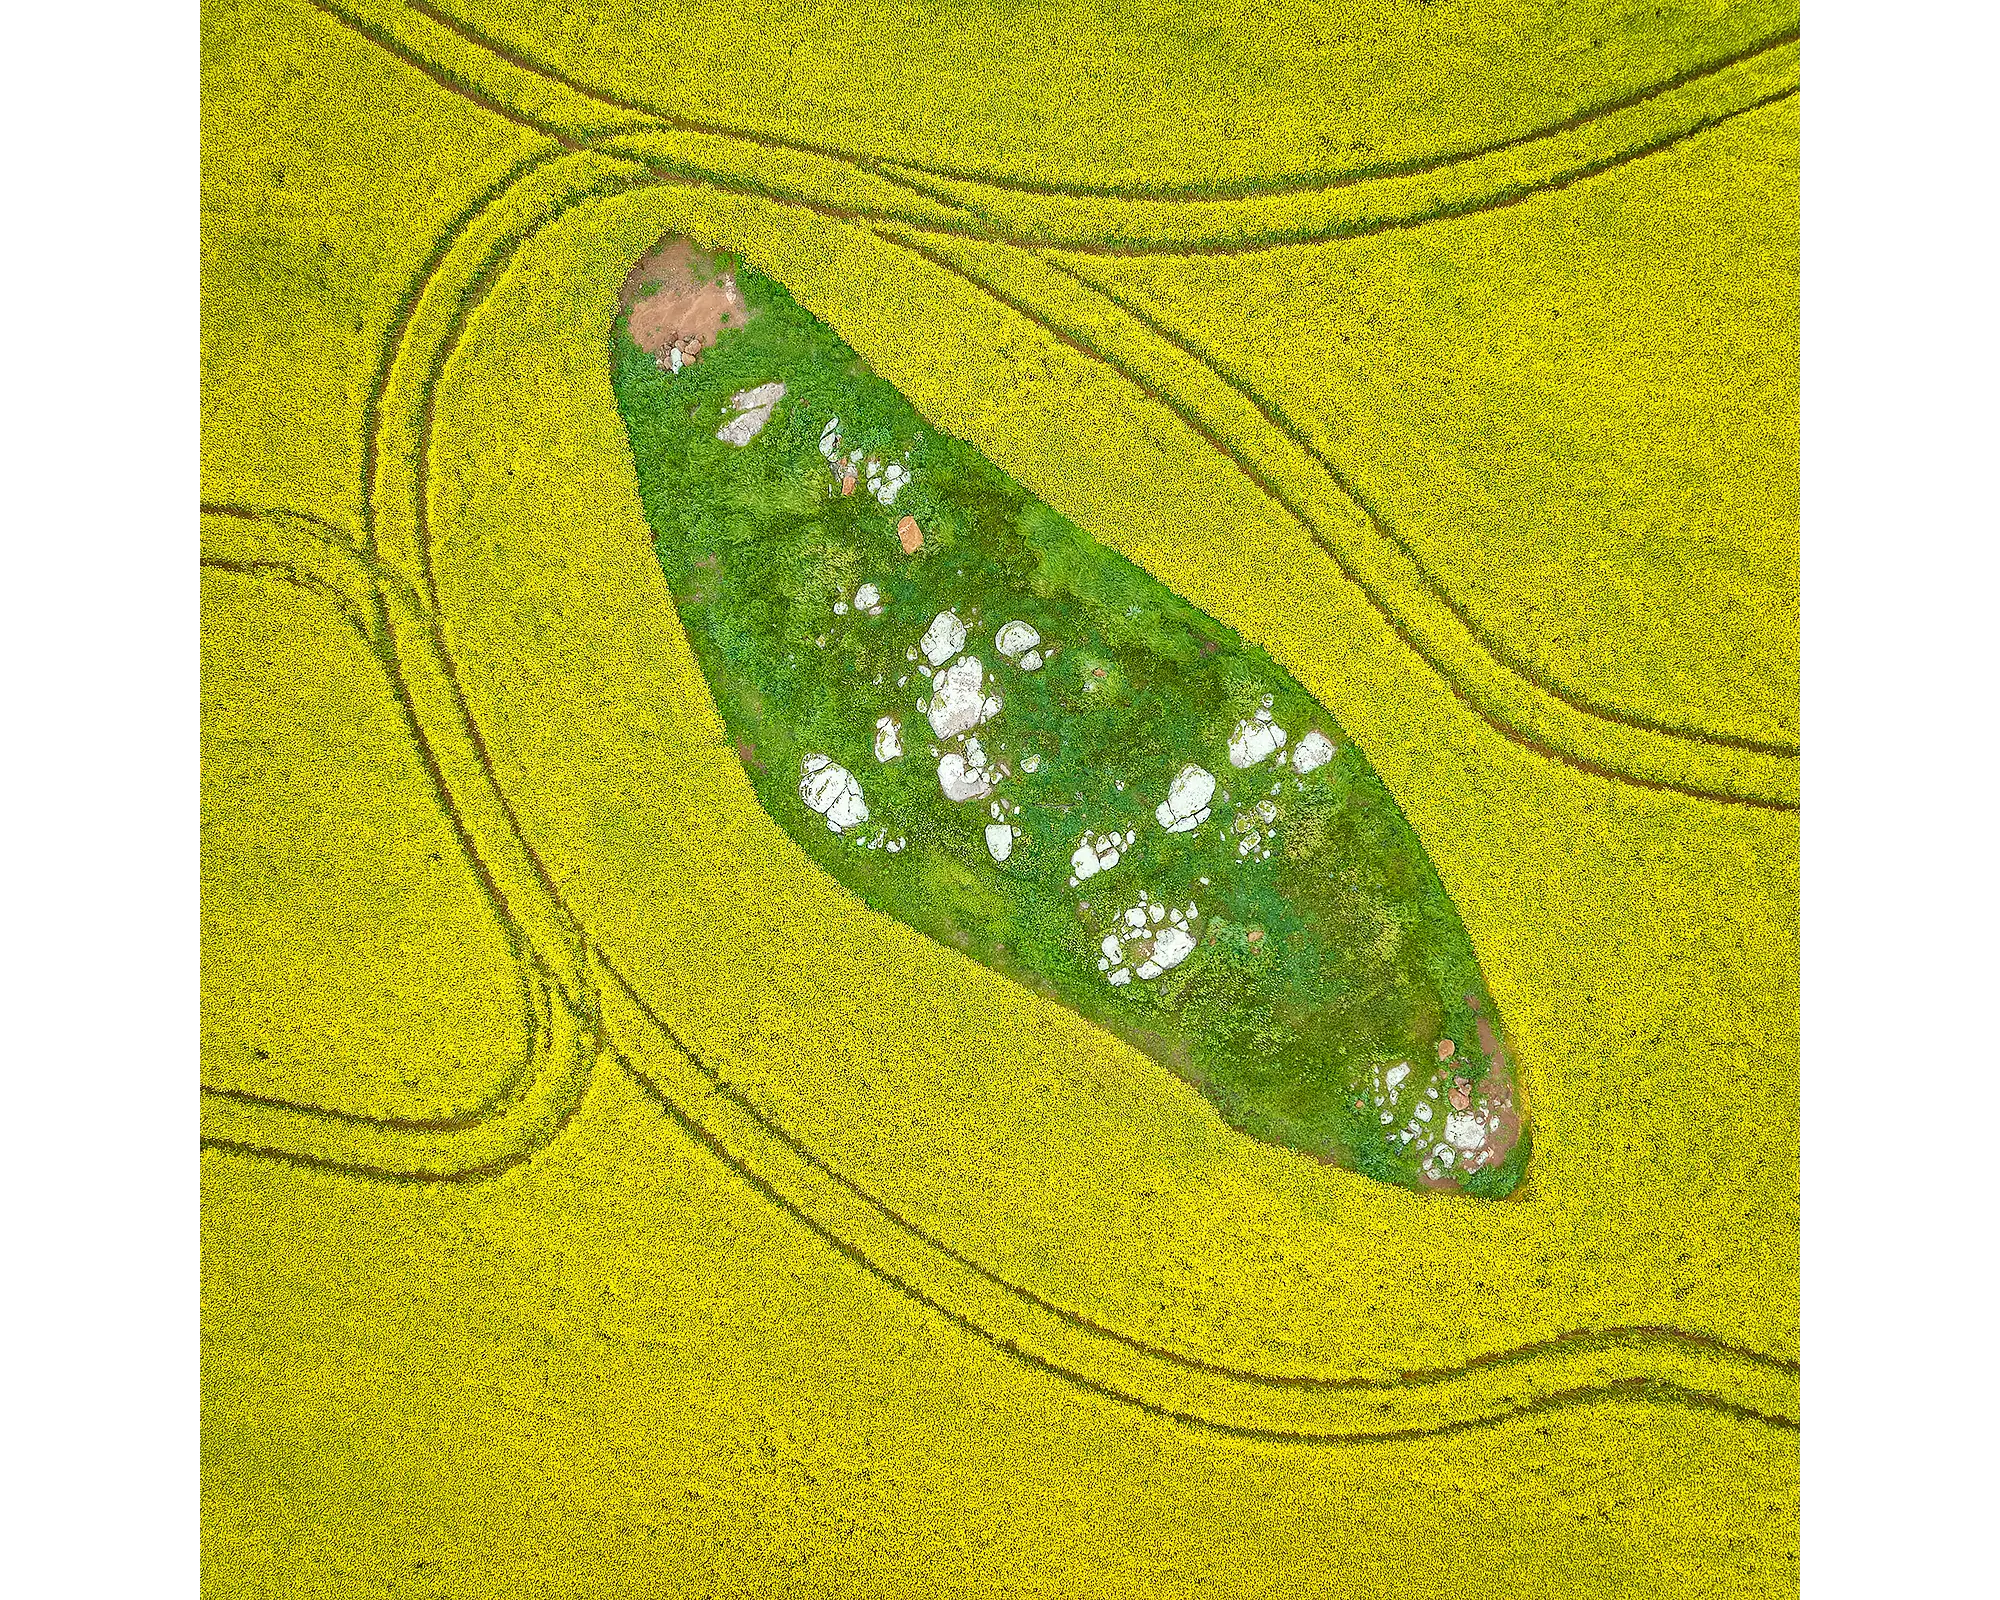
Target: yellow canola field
[849,1267]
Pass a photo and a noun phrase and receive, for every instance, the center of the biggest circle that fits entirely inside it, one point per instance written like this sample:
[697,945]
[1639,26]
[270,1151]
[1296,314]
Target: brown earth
[680,295]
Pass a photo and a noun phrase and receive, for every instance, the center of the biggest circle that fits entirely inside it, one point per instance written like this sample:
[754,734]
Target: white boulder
[1464,1130]
[1096,853]
[1254,740]
[1186,805]
[1017,638]
[888,738]
[1312,752]
[831,790]
[999,840]
[1147,940]
[958,701]
[868,598]
[963,780]
[943,639]
[754,410]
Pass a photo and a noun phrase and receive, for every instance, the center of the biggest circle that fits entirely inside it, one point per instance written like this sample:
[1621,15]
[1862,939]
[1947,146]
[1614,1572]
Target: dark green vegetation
[1328,998]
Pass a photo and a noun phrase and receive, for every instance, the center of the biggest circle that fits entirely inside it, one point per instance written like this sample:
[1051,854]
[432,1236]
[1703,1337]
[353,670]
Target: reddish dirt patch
[680,295]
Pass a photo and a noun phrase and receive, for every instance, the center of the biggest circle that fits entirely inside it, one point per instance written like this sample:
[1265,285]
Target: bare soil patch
[680,295]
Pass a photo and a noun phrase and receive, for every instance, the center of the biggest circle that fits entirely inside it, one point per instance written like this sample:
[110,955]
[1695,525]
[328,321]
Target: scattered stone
[1254,740]
[959,702]
[1445,1049]
[847,484]
[1031,763]
[1015,639]
[961,779]
[1315,750]
[754,406]
[943,639]
[674,359]
[868,598]
[999,840]
[1096,854]
[1395,1075]
[888,738]
[1186,805]
[910,535]
[831,790]
[1031,662]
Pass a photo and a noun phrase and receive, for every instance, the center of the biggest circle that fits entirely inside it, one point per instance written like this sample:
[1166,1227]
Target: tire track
[1279,187]
[1651,1389]
[477,290]
[1471,696]
[1385,1390]
[563,1008]
[1625,1336]
[919,179]
[1481,702]
[1499,199]
[1503,654]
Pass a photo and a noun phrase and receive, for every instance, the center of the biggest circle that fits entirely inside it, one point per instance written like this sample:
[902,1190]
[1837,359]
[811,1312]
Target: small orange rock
[1459,1098]
[1445,1049]
[847,484]
[907,530]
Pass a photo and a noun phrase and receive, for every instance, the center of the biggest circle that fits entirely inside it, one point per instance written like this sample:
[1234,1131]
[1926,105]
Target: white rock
[1095,854]
[830,789]
[1172,946]
[1442,1156]
[674,358]
[1031,763]
[1031,662]
[1110,946]
[840,608]
[1423,1111]
[1395,1075]
[1315,750]
[959,702]
[888,738]
[1186,805]
[866,597]
[1252,742]
[1120,978]
[943,639]
[1464,1130]
[755,408]
[999,840]
[961,781]
[1016,638]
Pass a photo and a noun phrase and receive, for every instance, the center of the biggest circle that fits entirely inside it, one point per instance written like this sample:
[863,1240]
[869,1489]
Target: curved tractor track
[380,579]
[1509,693]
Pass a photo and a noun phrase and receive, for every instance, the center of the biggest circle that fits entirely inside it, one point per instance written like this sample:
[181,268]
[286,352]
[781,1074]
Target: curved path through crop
[1524,703]
[1662,1365]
